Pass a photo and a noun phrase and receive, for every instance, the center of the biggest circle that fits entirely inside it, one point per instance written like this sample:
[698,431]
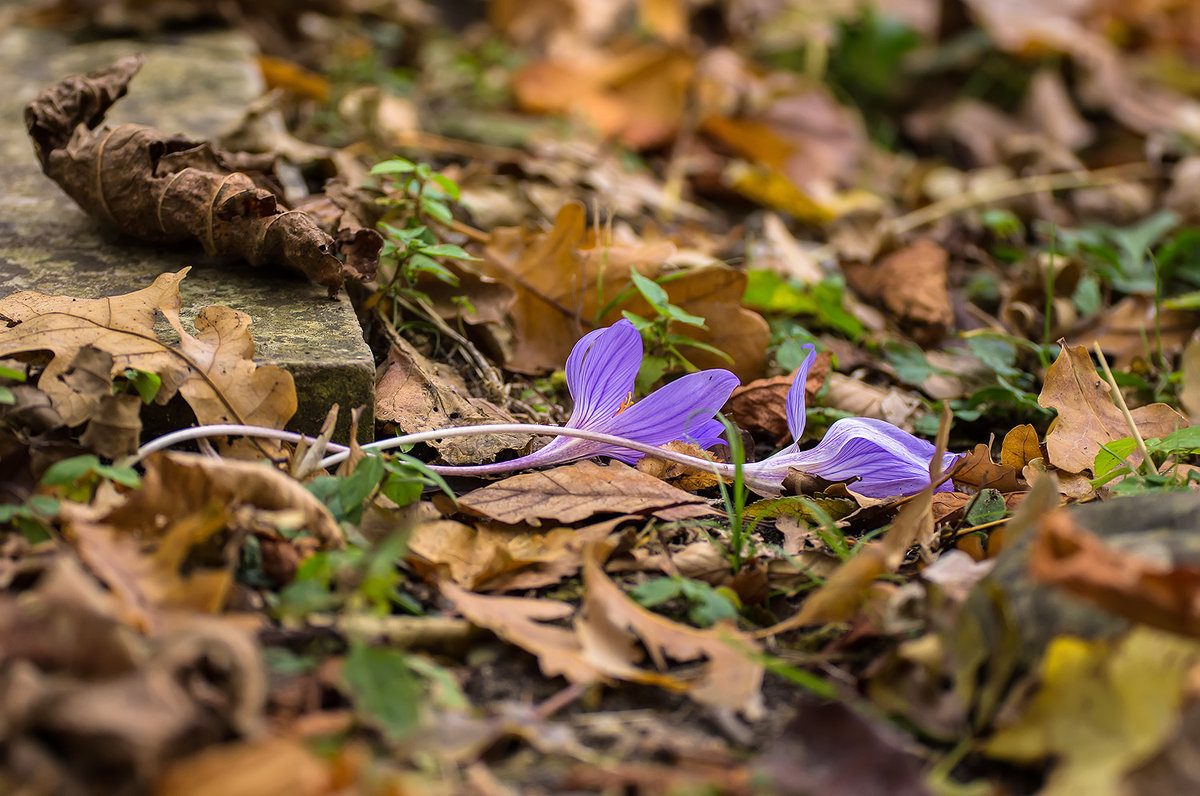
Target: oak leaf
[213,371]
[1087,417]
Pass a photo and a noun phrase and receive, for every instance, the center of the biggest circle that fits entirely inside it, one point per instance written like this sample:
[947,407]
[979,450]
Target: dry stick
[1010,189]
[1120,399]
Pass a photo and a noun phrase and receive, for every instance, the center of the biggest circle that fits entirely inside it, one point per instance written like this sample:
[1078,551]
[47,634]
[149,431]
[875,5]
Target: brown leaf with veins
[213,371]
[168,189]
[1020,447]
[1087,417]
[977,469]
[562,279]
[578,491]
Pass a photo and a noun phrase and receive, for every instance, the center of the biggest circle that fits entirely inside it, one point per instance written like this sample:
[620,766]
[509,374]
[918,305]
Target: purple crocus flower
[887,460]
[600,374]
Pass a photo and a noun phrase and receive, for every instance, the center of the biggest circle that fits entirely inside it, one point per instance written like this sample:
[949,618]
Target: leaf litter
[740,181]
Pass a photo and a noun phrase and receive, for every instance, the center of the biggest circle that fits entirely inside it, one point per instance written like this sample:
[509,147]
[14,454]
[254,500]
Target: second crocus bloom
[887,460]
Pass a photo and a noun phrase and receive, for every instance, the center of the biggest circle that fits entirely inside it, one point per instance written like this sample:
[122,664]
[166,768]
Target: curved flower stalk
[887,460]
[600,374]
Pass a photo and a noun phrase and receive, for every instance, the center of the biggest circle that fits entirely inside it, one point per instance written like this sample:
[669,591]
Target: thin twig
[1120,399]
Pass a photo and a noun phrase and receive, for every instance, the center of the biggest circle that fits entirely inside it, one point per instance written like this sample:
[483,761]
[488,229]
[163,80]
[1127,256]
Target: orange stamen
[628,402]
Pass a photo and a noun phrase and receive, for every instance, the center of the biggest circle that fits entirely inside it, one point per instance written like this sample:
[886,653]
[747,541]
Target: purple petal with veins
[887,460]
[600,372]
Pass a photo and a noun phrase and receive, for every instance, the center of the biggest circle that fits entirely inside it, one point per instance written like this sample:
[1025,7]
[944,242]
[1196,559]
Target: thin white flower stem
[720,469]
[219,430]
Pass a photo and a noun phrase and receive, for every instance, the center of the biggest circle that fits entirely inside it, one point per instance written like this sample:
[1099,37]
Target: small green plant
[1110,463]
[415,195]
[142,382]
[741,541]
[705,605]
[352,580]
[31,518]
[78,477]
[6,395]
[663,346]
[400,478]
[823,302]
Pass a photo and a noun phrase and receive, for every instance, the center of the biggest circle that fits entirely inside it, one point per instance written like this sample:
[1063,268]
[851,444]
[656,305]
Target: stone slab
[196,84]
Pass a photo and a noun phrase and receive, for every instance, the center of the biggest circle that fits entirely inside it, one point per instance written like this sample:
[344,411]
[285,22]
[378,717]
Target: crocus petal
[796,397]
[600,373]
[887,460]
[681,410]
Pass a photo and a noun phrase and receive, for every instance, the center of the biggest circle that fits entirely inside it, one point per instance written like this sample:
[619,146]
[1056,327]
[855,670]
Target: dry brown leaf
[1076,486]
[418,395]
[521,621]
[181,484]
[577,491]
[213,371]
[558,275]
[689,479]
[911,283]
[168,189]
[1151,592]
[1020,447]
[498,558]
[892,404]
[636,95]
[978,470]
[1087,417]
[1121,330]
[731,678]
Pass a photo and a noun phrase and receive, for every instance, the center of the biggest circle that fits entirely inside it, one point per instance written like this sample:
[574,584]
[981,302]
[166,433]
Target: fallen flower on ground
[888,461]
[600,375]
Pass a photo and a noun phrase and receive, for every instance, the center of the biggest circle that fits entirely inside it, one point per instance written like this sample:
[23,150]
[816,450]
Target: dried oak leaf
[169,189]
[911,283]
[578,491]
[1087,417]
[213,371]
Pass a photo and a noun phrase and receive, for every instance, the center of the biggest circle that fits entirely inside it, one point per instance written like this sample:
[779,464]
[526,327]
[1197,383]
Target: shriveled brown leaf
[418,395]
[1189,394]
[689,479]
[522,621]
[911,283]
[892,404]
[1087,417]
[182,484]
[731,678]
[213,371]
[1150,592]
[167,189]
[577,491]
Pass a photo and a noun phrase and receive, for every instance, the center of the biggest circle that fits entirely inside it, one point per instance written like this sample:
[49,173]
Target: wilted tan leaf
[213,371]
[577,491]
[731,678]
[521,621]
[262,767]
[892,404]
[1087,417]
[501,558]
